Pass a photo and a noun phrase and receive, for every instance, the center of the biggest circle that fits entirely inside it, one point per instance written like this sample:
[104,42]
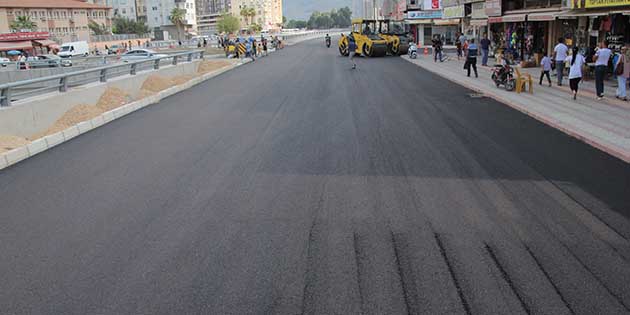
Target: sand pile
[212,65]
[8,143]
[112,99]
[156,83]
[77,114]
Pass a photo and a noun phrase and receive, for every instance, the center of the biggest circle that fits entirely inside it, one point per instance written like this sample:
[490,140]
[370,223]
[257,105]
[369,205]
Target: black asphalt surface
[294,185]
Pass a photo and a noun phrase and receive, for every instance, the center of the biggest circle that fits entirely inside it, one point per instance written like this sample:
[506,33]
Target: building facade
[158,14]
[63,20]
[268,13]
[522,30]
[208,14]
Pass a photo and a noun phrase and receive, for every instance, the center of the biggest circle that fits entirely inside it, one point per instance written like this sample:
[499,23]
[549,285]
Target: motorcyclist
[327,40]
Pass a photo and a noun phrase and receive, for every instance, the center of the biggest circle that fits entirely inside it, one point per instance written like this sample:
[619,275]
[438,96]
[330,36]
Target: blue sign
[418,15]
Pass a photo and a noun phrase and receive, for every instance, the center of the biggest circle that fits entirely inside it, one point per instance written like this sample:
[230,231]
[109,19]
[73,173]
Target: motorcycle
[328,42]
[413,51]
[504,75]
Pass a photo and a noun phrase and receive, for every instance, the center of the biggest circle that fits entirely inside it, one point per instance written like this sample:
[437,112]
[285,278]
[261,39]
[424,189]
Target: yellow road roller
[394,33]
[369,42]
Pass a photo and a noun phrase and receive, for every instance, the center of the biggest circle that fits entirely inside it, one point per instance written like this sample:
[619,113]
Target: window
[124,11]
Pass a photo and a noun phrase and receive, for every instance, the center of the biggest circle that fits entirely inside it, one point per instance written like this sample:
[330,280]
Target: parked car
[50,61]
[140,54]
[72,49]
[4,61]
[114,49]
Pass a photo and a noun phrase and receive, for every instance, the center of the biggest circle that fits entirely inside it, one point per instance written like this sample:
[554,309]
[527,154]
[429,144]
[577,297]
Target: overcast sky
[302,9]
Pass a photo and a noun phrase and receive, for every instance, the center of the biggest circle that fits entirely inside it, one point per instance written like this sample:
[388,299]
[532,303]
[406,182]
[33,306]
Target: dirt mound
[8,143]
[77,114]
[181,79]
[156,83]
[212,65]
[112,99]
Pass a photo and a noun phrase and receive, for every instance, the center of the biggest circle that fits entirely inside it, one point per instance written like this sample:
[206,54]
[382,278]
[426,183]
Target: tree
[23,23]
[121,25]
[336,18]
[284,20]
[248,14]
[177,18]
[98,29]
[255,27]
[228,23]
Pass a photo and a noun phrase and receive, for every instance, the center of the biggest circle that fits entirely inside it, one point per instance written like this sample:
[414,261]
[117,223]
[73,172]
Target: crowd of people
[561,58]
[254,48]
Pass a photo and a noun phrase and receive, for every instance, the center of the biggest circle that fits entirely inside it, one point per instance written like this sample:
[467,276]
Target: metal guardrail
[61,82]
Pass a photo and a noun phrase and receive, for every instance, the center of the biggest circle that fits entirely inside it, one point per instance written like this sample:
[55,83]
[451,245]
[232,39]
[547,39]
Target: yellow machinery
[394,33]
[369,42]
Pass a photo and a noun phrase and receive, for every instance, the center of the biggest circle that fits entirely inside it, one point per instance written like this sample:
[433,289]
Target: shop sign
[483,22]
[585,4]
[11,37]
[478,10]
[493,8]
[431,5]
[453,12]
[420,15]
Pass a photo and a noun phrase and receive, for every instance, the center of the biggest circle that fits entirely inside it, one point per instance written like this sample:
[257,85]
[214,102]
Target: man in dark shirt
[471,57]
[485,49]
[437,48]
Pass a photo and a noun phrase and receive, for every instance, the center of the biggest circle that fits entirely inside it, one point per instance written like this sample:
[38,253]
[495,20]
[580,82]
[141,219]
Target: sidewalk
[602,124]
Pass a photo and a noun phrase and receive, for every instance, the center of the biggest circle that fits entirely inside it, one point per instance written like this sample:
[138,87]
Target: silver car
[140,54]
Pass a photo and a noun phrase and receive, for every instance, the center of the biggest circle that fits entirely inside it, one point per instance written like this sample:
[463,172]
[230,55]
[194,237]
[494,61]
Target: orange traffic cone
[426,50]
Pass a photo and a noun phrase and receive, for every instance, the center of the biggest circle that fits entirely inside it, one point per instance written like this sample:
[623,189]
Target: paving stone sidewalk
[602,124]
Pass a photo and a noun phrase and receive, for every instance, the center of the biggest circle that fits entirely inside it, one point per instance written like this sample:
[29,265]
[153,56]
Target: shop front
[421,25]
[29,43]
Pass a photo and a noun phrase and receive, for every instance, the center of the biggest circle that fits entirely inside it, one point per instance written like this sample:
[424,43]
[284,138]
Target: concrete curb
[550,122]
[40,145]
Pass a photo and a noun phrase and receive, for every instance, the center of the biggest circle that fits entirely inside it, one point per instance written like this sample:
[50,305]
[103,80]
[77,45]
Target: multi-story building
[268,13]
[62,20]
[158,18]
[122,8]
[141,10]
[208,14]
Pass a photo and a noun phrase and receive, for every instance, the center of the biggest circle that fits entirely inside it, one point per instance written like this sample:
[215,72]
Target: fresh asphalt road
[295,185]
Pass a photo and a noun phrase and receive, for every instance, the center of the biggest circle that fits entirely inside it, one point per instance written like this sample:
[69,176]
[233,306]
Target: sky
[302,9]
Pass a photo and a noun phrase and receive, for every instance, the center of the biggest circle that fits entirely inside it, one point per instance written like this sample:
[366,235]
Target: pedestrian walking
[471,57]
[264,44]
[458,46]
[560,55]
[255,48]
[352,50]
[437,48]
[602,55]
[545,64]
[622,71]
[485,50]
[576,61]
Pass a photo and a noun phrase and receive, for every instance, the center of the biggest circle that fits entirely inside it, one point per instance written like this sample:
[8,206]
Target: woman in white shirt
[575,72]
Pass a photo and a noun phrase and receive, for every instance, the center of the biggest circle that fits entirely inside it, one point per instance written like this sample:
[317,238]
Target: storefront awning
[479,22]
[542,16]
[46,42]
[508,18]
[446,22]
[424,21]
[577,13]
[5,46]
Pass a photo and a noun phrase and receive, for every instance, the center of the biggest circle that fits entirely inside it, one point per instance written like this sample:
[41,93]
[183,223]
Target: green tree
[121,25]
[23,23]
[98,29]
[228,23]
[248,14]
[255,28]
[177,18]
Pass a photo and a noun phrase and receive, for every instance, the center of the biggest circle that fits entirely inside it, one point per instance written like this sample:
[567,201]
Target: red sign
[12,37]
[435,4]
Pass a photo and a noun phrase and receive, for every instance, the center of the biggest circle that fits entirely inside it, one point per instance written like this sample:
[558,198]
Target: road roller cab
[395,35]
[365,34]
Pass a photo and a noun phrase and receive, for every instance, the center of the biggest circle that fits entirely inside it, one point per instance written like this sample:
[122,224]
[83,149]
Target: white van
[74,49]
